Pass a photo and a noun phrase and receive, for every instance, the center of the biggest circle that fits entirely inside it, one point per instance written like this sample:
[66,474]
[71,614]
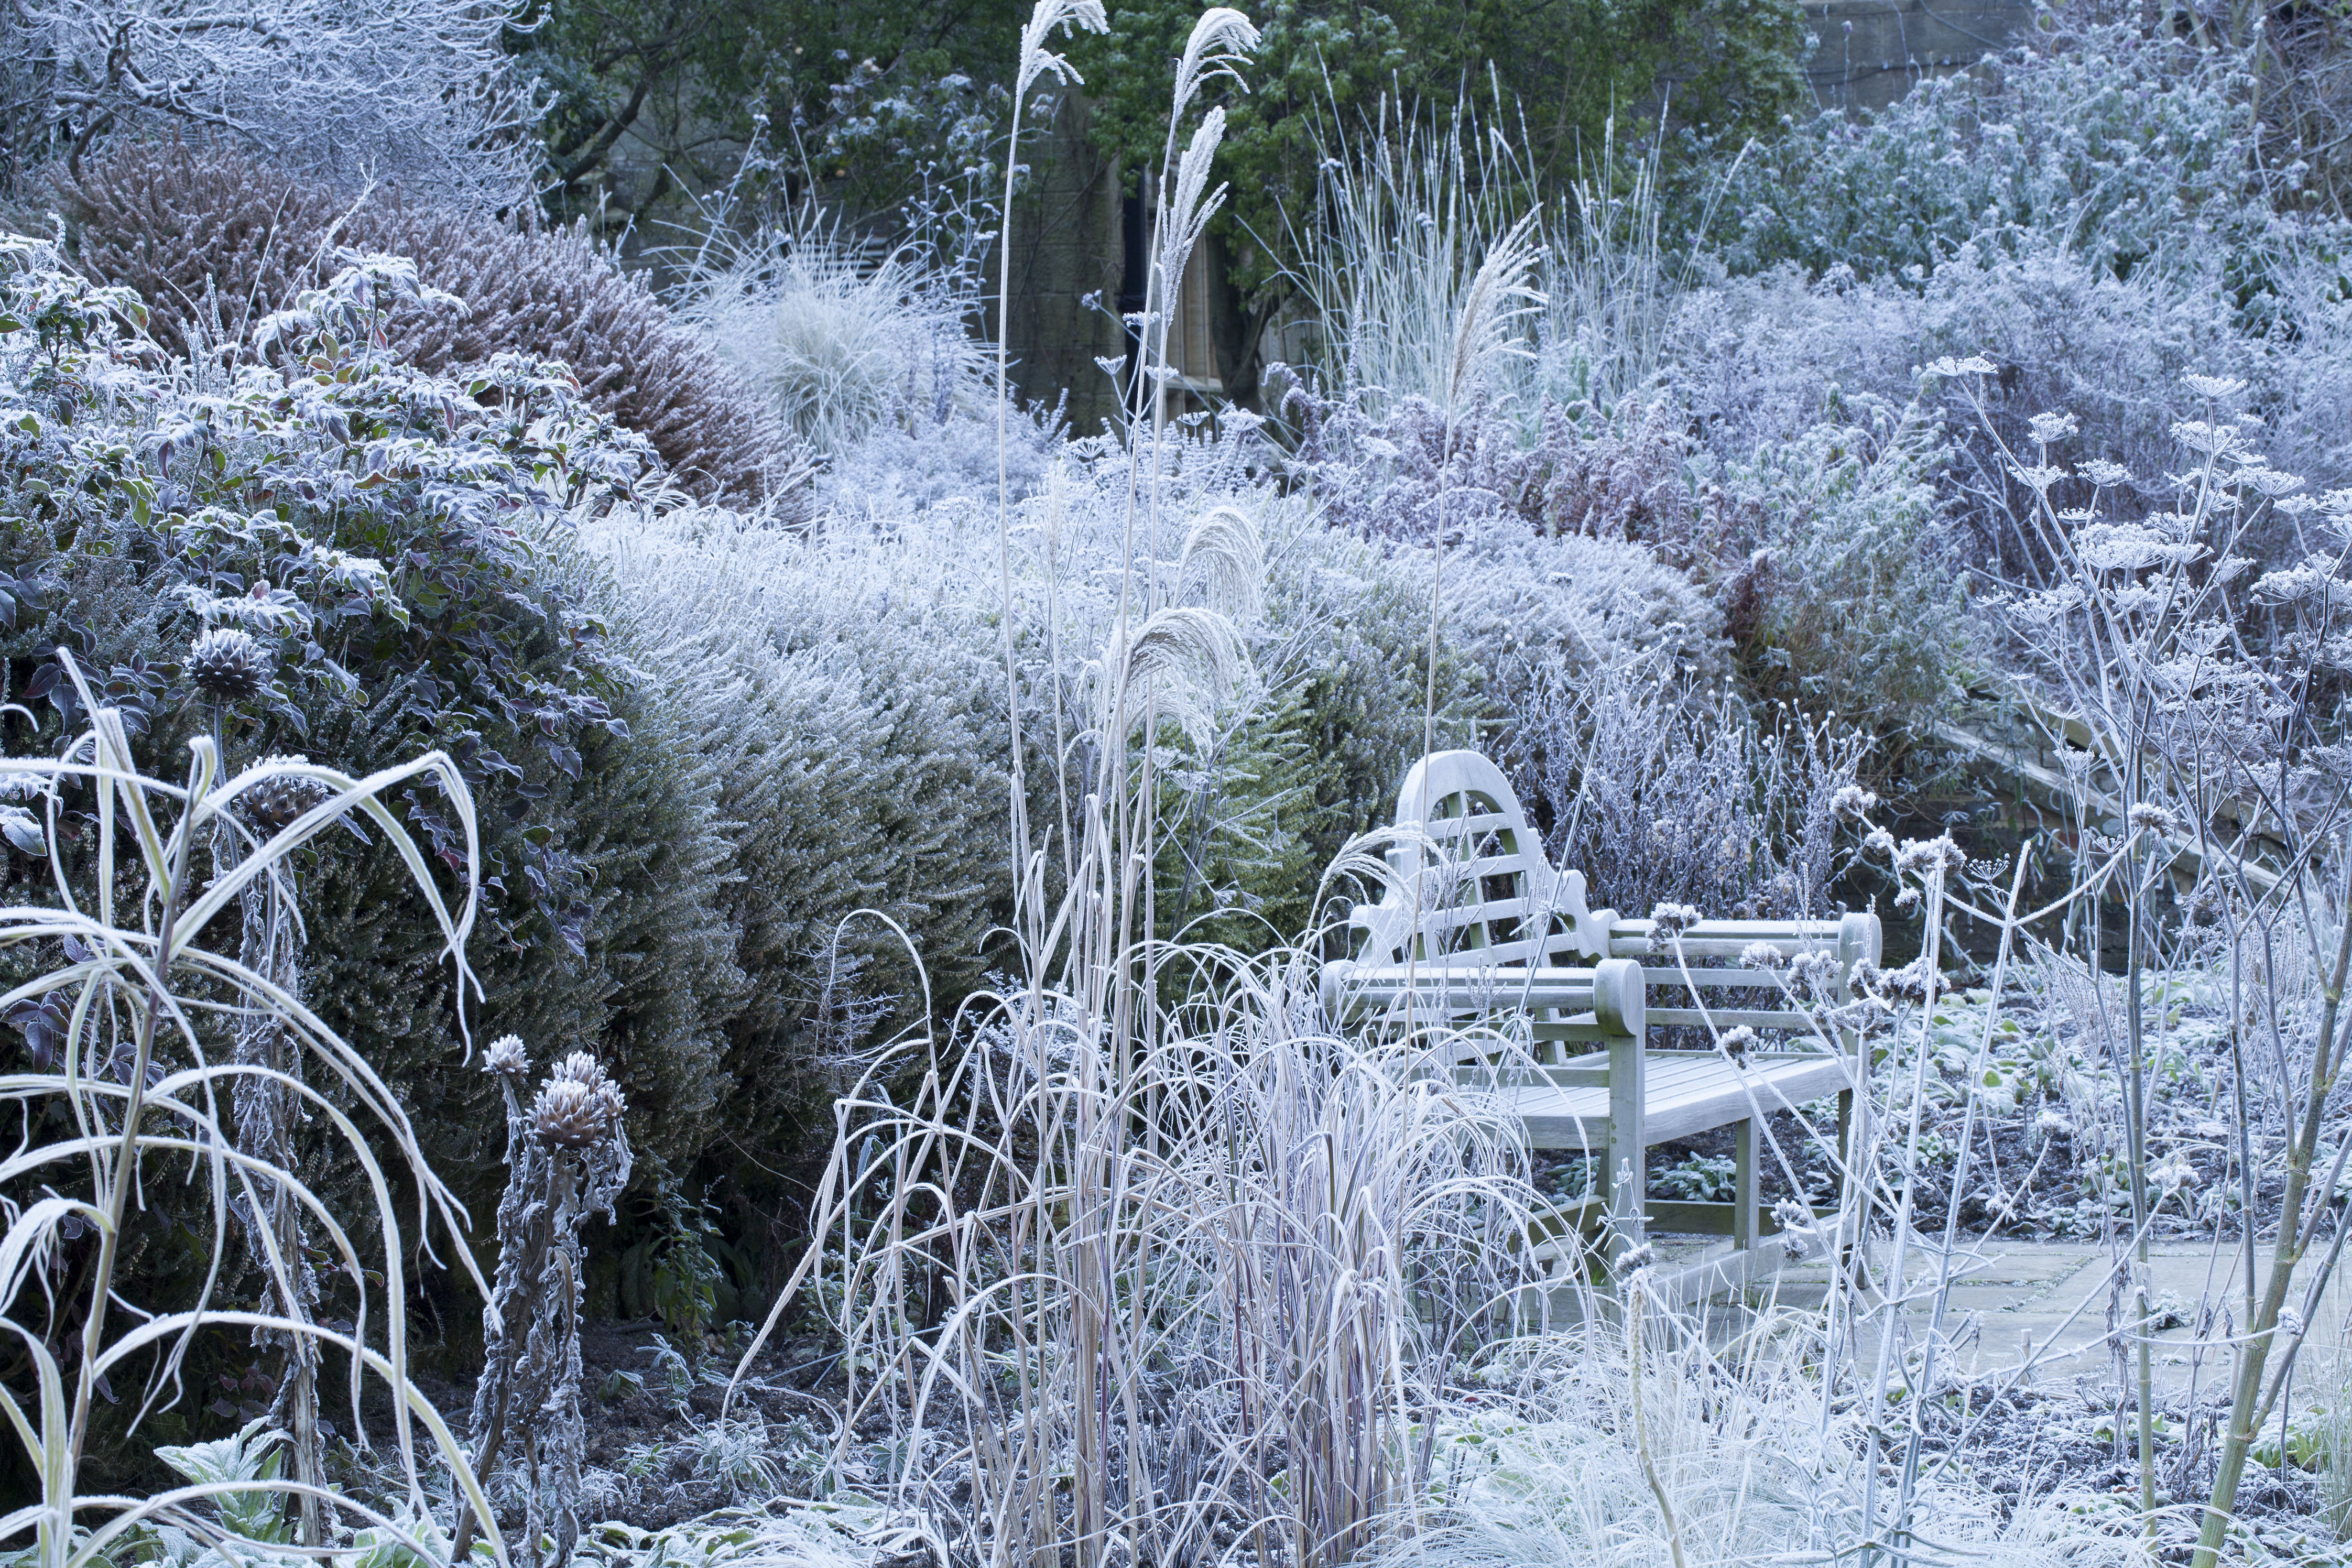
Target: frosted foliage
[414,93]
[1760,360]
[1393,475]
[841,690]
[1662,794]
[902,468]
[2123,149]
[1835,567]
[1545,1470]
[213,240]
[847,684]
[527,1399]
[603,843]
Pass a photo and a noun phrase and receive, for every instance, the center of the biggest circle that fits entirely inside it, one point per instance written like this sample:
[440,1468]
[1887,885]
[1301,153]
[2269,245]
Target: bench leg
[1845,1127]
[1626,1169]
[1743,1183]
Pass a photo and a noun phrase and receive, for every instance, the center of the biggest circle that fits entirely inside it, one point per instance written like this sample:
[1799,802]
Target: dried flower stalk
[567,1158]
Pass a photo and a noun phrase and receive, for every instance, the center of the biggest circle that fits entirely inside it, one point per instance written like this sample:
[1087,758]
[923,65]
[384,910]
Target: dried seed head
[1668,921]
[1797,1227]
[229,664]
[1924,857]
[578,1068]
[1853,802]
[569,1114]
[275,803]
[1909,984]
[506,1056]
[1816,971]
[578,1105]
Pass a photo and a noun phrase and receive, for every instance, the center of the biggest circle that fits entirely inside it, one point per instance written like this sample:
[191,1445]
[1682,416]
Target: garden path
[2049,1301]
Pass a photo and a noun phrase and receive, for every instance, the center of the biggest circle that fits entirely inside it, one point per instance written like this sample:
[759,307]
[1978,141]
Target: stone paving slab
[2011,1299]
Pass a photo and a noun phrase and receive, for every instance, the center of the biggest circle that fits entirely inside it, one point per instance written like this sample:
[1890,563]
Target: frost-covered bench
[1476,927]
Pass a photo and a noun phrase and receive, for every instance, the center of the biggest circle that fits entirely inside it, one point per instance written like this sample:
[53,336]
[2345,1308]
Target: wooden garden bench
[1476,927]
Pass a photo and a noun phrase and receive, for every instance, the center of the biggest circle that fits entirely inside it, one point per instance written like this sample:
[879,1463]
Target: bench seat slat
[1651,952]
[1670,978]
[1742,930]
[1682,1100]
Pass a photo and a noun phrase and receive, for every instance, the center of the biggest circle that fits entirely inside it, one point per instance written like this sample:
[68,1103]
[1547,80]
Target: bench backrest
[1472,889]
[1472,880]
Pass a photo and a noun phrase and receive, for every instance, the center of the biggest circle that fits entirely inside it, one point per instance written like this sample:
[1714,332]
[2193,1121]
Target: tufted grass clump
[839,342]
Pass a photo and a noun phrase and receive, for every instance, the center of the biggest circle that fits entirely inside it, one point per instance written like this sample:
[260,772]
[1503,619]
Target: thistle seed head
[567,1114]
[578,1105]
[506,1056]
[228,663]
[275,803]
[578,1068]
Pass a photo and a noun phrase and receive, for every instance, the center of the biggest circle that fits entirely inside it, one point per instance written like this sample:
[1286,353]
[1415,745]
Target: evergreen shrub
[394,545]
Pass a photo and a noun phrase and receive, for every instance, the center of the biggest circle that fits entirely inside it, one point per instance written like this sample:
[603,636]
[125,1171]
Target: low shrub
[1840,585]
[1663,794]
[2120,146]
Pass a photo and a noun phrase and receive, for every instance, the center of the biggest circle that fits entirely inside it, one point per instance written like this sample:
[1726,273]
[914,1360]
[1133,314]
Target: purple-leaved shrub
[213,240]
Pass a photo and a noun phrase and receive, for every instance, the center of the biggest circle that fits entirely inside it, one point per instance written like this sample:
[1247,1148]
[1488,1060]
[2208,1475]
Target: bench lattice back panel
[1471,886]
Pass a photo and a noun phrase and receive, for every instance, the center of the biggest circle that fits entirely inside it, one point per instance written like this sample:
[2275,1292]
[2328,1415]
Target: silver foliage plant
[412,93]
[567,1158]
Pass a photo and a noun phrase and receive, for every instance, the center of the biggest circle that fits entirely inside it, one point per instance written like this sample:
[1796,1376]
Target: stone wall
[1872,51]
